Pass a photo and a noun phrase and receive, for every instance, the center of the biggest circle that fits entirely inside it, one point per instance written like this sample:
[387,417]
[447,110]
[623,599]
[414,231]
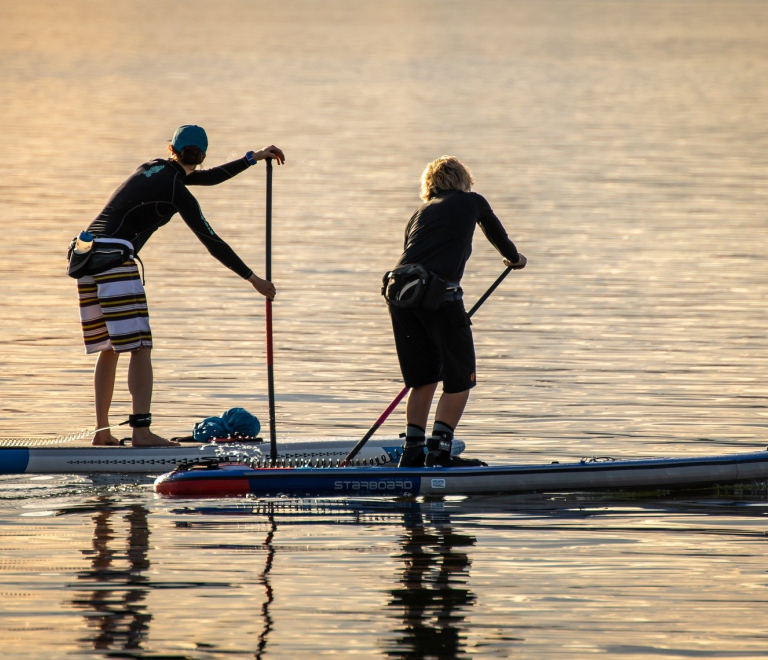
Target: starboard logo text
[375,485]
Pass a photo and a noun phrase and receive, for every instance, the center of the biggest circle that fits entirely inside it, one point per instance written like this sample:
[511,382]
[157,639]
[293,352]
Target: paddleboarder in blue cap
[113,304]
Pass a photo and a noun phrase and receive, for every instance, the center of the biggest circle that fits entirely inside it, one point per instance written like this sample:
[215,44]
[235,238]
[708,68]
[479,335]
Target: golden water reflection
[622,143]
[530,576]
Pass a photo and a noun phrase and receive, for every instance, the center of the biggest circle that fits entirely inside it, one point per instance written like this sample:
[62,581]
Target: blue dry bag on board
[235,423]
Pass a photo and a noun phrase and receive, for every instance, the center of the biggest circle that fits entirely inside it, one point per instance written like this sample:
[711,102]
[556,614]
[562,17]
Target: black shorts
[435,346]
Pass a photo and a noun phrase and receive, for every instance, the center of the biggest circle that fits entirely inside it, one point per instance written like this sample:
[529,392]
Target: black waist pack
[413,287]
[105,253]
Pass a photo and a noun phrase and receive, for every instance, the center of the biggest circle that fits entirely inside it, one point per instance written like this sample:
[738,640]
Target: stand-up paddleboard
[220,479]
[157,460]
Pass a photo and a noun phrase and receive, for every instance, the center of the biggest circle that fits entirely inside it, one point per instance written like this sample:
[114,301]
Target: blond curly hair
[445,173]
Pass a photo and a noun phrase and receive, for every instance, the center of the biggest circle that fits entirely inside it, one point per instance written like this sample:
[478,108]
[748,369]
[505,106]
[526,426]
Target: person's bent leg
[449,411]
[451,406]
[104,388]
[419,403]
[458,358]
[419,363]
[417,413]
[140,382]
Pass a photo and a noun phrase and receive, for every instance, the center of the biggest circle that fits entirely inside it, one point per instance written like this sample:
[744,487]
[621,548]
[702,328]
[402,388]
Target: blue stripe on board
[14,461]
[335,484]
[312,482]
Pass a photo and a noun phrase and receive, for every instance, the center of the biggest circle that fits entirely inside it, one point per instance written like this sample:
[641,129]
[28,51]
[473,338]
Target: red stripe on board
[203,488]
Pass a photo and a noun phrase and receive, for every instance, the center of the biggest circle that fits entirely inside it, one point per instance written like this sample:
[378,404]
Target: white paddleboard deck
[157,460]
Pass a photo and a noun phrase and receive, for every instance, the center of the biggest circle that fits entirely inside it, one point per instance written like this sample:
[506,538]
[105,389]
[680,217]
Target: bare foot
[143,437]
[104,439]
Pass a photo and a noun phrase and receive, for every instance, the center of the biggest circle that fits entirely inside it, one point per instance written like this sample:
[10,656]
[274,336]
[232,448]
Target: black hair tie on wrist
[140,421]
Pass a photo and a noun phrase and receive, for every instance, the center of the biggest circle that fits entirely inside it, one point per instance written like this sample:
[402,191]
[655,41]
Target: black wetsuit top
[150,197]
[439,234]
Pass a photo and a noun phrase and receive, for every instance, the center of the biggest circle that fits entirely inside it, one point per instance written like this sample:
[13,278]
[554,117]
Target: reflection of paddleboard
[138,460]
[224,479]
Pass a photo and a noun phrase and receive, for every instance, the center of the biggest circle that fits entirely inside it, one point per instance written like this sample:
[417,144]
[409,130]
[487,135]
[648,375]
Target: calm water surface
[623,145]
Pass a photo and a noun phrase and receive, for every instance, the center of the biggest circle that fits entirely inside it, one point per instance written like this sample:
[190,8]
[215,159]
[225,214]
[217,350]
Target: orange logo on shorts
[472,377]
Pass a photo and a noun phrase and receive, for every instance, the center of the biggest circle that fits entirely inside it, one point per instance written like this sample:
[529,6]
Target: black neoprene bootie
[439,453]
[413,457]
[439,450]
[413,448]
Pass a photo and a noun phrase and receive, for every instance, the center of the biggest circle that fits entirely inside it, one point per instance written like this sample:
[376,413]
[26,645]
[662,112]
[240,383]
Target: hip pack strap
[122,241]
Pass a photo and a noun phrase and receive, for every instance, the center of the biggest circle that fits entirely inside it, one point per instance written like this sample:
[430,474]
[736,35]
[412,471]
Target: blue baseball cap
[190,135]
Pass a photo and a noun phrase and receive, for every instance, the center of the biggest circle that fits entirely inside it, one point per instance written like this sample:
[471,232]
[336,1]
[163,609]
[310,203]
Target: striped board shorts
[113,310]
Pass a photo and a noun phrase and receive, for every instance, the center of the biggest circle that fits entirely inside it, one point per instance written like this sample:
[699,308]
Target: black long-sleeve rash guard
[157,190]
[439,234]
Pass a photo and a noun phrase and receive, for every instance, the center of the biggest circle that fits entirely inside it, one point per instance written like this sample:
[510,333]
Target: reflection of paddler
[113,305]
[432,598]
[118,612]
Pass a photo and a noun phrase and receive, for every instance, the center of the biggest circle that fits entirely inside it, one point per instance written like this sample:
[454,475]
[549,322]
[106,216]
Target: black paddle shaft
[270,358]
[488,293]
[361,443]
